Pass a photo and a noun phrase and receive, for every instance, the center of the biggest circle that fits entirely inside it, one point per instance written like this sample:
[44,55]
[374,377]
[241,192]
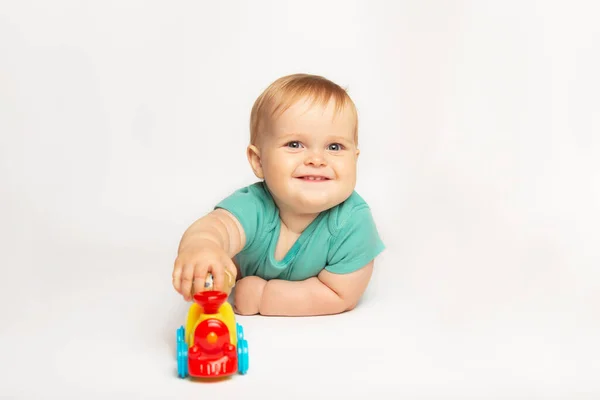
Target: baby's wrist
[199,243]
[262,295]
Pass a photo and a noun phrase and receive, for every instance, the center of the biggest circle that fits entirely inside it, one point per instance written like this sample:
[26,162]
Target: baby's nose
[315,158]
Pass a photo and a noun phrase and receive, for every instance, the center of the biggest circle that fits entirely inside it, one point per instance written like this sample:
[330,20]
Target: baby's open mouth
[315,178]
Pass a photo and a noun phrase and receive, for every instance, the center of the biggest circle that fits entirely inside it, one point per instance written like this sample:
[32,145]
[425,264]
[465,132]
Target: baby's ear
[253,154]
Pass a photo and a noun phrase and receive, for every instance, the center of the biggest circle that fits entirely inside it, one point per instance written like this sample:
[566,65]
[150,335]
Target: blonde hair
[285,91]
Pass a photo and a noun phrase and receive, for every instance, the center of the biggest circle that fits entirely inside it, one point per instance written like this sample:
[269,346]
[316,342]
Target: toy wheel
[240,331]
[182,354]
[180,334]
[242,349]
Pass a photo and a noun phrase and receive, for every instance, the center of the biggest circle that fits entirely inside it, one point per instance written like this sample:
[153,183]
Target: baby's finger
[232,269]
[177,275]
[187,278]
[228,274]
[199,285]
[200,273]
[217,273]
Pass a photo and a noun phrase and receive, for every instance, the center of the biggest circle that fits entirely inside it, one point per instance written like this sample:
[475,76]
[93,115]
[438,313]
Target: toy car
[212,343]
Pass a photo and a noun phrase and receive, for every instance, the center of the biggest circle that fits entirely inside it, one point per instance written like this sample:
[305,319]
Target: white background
[121,122]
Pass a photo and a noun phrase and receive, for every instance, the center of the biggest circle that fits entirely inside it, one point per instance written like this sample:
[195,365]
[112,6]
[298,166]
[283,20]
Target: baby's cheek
[349,169]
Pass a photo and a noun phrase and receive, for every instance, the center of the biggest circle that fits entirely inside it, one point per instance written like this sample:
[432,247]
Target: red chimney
[210,300]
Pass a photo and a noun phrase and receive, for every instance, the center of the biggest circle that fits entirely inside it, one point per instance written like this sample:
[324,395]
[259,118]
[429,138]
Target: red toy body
[212,353]
[212,344]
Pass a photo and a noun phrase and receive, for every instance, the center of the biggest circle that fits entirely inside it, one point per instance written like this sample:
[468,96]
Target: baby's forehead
[313,122]
[311,111]
[312,104]
[310,117]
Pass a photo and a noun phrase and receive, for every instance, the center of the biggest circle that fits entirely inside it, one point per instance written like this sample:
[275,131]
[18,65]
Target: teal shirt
[342,239]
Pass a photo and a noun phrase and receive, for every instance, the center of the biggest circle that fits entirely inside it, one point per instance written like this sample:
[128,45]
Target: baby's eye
[335,147]
[294,145]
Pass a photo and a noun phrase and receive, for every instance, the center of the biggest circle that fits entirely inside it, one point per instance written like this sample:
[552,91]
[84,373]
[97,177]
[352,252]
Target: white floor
[95,321]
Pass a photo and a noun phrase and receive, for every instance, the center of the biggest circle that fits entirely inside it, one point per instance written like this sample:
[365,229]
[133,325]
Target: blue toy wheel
[243,359]
[180,334]
[240,331]
[182,354]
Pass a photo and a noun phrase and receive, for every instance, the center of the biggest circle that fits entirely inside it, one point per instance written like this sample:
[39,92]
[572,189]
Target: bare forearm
[207,228]
[300,298]
[215,228]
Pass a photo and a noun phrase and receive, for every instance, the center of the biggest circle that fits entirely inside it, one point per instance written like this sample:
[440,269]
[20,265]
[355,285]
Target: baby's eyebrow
[292,135]
[303,134]
[339,138]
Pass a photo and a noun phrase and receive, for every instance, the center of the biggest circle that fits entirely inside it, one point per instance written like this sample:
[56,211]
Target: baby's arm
[219,227]
[207,246]
[328,293]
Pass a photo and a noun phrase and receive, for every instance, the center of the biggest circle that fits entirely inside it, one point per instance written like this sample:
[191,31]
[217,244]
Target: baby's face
[308,157]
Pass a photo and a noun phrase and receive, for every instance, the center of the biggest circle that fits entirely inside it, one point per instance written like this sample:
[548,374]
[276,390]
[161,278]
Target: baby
[303,241]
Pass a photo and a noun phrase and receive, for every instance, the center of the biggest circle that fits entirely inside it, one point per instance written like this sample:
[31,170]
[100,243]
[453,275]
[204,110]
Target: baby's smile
[313,178]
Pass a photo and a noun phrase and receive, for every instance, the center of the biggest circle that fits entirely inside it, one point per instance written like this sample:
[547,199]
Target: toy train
[212,343]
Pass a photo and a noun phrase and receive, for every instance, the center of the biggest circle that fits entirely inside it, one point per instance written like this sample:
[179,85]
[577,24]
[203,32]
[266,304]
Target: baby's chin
[313,203]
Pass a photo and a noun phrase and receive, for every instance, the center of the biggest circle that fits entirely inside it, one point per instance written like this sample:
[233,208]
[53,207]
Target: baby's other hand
[248,295]
[193,264]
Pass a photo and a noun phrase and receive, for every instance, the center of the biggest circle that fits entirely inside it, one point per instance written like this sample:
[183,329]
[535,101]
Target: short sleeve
[356,242]
[250,205]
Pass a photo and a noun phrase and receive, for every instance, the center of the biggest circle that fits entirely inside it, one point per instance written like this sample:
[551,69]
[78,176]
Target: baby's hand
[248,295]
[193,265]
